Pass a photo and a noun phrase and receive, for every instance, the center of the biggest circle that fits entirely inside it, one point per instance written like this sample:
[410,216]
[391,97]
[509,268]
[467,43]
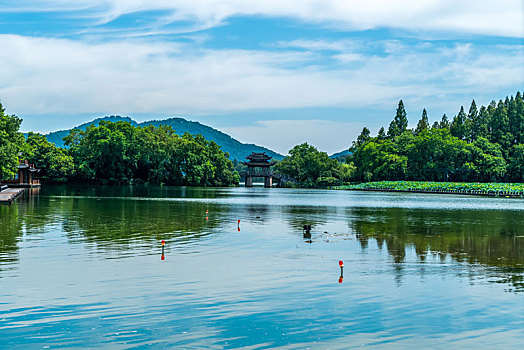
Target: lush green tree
[156,162]
[54,163]
[306,165]
[203,163]
[107,152]
[346,171]
[516,164]
[435,155]
[11,144]
[487,163]
[379,160]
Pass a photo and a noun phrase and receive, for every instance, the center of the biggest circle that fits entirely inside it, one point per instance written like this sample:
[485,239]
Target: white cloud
[498,18]
[58,76]
[321,45]
[43,76]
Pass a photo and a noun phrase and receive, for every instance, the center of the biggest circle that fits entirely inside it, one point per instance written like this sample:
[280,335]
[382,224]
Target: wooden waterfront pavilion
[25,176]
[259,165]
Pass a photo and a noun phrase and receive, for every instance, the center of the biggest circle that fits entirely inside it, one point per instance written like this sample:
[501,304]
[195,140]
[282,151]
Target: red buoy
[206,211]
[163,242]
[238,221]
[340,263]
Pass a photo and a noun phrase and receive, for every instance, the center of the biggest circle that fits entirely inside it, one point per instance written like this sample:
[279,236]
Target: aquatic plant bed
[470,188]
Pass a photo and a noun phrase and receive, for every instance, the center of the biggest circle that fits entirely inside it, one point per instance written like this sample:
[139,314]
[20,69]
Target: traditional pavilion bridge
[259,166]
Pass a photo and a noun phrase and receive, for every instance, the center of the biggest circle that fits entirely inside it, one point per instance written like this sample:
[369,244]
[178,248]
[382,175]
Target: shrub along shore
[468,188]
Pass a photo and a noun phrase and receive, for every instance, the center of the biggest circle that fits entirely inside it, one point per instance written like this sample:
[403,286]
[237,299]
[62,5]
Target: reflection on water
[86,266]
[490,238]
[10,233]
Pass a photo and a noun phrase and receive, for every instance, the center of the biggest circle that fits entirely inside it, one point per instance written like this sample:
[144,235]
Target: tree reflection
[487,237]
[16,219]
[10,234]
[120,223]
[114,218]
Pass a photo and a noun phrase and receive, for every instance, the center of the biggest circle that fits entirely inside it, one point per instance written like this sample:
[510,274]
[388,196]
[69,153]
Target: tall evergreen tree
[458,125]
[491,111]
[516,118]
[500,124]
[362,138]
[400,122]
[513,119]
[423,123]
[471,120]
[481,123]
[519,119]
[444,122]
[381,134]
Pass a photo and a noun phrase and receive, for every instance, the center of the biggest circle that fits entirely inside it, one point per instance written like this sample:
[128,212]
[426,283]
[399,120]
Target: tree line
[484,145]
[117,153]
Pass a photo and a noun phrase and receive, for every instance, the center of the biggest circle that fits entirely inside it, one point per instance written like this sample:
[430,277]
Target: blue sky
[276,73]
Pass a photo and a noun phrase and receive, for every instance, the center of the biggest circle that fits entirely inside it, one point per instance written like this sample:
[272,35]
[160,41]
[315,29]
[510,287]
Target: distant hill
[342,154]
[237,150]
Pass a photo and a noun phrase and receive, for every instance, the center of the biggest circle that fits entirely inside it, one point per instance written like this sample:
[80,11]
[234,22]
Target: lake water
[81,267]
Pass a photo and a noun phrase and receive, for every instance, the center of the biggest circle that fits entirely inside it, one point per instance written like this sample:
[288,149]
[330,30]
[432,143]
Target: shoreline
[488,194]
[500,190]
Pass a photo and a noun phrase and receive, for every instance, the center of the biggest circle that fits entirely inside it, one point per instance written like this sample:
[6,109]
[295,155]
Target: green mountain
[340,155]
[237,150]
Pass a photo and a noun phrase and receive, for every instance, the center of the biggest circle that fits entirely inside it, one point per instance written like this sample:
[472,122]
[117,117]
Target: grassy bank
[483,189]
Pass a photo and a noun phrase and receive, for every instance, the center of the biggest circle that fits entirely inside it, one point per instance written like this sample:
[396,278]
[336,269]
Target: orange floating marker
[163,242]
[162,257]
[340,263]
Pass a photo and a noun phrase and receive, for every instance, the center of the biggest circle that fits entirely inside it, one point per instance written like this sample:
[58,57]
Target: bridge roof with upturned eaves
[259,160]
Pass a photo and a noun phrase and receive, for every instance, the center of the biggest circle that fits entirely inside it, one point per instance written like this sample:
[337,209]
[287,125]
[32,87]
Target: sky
[272,72]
